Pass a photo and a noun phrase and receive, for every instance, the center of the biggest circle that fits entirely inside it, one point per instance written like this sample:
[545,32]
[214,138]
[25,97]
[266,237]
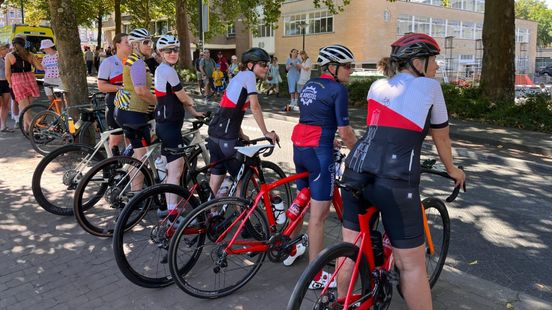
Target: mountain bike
[56,105]
[236,236]
[374,273]
[141,236]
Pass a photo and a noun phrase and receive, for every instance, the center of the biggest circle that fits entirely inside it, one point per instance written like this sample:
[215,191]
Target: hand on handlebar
[199,115]
[273,136]
[458,175]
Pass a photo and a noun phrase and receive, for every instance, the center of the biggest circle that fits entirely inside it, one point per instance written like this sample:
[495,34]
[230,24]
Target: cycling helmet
[166,41]
[414,45]
[335,53]
[138,35]
[255,54]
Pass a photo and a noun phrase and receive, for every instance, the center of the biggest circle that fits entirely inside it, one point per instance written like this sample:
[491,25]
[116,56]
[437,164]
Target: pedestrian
[223,63]
[51,68]
[109,52]
[89,58]
[4,90]
[207,67]
[199,75]
[218,80]
[20,76]
[234,67]
[110,80]
[103,56]
[274,79]
[304,75]
[293,67]
[97,58]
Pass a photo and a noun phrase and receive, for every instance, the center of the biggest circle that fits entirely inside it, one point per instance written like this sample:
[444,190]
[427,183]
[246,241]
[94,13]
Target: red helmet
[414,45]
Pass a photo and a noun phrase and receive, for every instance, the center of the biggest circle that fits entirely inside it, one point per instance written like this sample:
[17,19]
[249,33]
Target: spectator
[97,58]
[50,67]
[218,80]
[293,65]
[223,62]
[274,79]
[234,67]
[198,72]
[89,58]
[4,91]
[207,67]
[305,74]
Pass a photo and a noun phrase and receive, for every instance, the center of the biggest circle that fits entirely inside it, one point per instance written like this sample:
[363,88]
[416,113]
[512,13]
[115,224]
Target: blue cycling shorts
[320,164]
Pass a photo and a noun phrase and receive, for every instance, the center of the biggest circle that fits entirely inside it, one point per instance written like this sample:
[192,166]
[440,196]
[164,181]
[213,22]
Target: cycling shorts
[220,150]
[171,136]
[398,202]
[319,162]
[109,111]
[138,137]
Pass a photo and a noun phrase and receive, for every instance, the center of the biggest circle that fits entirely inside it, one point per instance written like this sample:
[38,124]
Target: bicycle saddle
[253,150]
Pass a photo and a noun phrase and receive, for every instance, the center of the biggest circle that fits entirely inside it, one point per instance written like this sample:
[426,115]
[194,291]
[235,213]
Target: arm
[306,65]
[106,87]
[7,70]
[188,103]
[36,63]
[348,136]
[442,142]
[138,75]
[258,116]
[145,94]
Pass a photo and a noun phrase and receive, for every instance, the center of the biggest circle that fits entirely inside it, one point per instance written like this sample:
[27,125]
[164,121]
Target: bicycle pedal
[305,240]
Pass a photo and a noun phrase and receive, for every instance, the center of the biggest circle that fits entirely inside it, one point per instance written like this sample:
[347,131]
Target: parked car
[546,70]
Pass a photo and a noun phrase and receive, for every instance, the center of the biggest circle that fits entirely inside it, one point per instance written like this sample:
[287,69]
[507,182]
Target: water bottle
[298,204]
[161,166]
[224,188]
[278,209]
[78,124]
[71,125]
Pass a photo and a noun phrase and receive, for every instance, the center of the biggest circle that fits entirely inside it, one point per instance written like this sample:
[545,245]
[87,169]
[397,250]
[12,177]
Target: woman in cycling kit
[110,80]
[225,128]
[323,111]
[135,101]
[172,100]
[385,163]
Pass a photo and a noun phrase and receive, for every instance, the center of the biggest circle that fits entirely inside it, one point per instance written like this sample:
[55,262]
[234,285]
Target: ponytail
[388,67]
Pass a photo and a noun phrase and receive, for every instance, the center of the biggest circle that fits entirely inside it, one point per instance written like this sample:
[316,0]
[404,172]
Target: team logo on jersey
[308,95]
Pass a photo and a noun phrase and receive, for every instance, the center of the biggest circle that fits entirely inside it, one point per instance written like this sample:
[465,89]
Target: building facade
[369,27]
[9,16]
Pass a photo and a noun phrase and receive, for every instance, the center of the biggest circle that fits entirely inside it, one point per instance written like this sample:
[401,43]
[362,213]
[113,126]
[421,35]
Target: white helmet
[167,40]
[138,35]
[334,54]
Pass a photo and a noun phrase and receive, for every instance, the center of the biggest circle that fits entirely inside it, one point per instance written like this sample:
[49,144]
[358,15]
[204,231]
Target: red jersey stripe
[382,116]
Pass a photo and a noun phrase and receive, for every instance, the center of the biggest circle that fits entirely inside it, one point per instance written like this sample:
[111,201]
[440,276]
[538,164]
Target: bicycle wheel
[57,175]
[32,110]
[272,173]
[48,132]
[141,238]
[104,191]
[214,273]
[326,264]
[439,226]
[87,135]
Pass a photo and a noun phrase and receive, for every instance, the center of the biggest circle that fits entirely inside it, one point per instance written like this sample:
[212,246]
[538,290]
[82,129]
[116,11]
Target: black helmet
[19,40]
[255,54]
[414,45]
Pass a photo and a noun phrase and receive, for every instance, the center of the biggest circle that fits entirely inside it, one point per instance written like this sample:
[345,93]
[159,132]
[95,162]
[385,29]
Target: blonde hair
[389,67]
[303,53]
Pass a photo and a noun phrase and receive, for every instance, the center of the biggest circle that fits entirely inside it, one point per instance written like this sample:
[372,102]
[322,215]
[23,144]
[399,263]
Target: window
[454,29]
[468,30]
[264,31]
[231,31]
[438,27]
[422,25]
[421,1]
[457,4]
[316,22]
[12,14]
[478,31]
[469,5]
[480,6]
[466,58]
[522,35]
[404,24]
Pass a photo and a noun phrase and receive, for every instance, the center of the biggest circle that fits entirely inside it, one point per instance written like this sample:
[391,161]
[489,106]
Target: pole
[200,28]
[303,38]
[22,13]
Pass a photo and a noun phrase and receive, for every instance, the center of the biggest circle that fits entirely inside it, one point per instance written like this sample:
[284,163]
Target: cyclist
[225,128]
[322,111]
[385,163]
[110,80]
[135,100]
[172,100]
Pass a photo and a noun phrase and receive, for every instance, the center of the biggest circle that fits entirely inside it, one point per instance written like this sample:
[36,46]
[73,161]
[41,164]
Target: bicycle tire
[70,177]
[86,212]
[42,136]
[211,225]
[272,173]
[439,225]
[85,136]
[143,236]
[35,108]
[325,261]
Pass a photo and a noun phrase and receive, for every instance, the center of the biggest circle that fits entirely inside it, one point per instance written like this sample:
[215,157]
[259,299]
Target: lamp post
[22,13]
[302,25]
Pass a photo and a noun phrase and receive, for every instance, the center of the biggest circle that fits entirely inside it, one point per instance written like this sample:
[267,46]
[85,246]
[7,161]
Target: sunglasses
[347,66]
[262,64]
[146,42]
[171,50]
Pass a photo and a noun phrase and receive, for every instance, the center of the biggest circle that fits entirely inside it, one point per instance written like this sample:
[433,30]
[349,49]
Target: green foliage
[358,90]
[187,75]
[536,10]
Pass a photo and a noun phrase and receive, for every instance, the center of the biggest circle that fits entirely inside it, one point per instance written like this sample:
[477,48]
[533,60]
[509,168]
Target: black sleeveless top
[20,65]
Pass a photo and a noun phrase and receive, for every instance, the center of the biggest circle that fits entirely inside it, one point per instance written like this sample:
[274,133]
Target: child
[218,78]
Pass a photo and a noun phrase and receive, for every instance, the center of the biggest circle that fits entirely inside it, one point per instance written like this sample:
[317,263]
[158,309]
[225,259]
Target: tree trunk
[117,10]
[498,71]
[100,14]
[183,35]
[71,60]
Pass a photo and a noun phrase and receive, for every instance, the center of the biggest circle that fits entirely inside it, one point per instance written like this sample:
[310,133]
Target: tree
[183,32]
[536,10]
[71,61]
[497,73]
[117,9]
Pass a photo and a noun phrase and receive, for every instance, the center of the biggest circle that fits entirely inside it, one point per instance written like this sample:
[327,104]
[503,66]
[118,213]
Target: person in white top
[50,67]
[304,75]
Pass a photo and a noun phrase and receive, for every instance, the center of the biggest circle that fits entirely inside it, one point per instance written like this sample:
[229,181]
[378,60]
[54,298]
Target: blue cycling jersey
[323,108]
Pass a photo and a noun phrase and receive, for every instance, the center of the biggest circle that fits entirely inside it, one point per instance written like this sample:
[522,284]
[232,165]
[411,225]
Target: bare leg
[138,179]
[174,172]
[4,109]
[346,271]
[23,103]
[318,213]
[414,283]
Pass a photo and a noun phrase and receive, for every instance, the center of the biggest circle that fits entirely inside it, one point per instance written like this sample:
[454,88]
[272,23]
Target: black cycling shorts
[398,202]
[220,150]
[138,137]
[171,136]
[110,109]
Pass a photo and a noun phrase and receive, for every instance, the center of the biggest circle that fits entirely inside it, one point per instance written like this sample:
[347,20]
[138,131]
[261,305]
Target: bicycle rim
[439,226]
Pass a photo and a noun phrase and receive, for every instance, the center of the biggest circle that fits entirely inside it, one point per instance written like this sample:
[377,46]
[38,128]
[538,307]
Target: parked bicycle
[56,105]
